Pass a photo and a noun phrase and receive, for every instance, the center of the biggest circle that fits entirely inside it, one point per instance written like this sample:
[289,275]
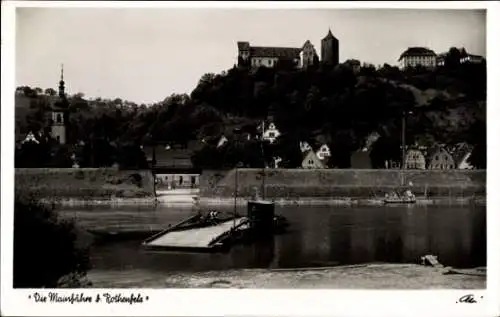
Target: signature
[469,299]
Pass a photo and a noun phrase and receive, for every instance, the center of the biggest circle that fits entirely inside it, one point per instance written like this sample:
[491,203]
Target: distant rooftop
[417,51]
[278,52]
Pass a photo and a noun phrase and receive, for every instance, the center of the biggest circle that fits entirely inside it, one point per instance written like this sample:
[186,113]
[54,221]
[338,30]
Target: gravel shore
[369,276]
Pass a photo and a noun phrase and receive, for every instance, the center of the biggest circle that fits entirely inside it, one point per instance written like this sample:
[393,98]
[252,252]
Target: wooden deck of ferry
[195,238]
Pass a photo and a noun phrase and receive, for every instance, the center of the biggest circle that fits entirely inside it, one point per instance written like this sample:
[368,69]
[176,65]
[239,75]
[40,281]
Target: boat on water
[406,198]
[400,200]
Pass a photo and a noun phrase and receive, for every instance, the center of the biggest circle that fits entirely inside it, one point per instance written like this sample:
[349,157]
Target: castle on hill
[258,56]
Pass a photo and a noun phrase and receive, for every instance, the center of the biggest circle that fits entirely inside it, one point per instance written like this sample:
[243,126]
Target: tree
[50,92]
[341,148]
[56,252]
[131,156]
[477,134]
[331,101]
[452,58]
[385,149]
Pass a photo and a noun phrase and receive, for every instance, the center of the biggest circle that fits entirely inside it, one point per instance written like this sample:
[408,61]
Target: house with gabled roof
[461,153]
[312,161]
[323,152]
[31,138]
[172,165]
[414,159]
[439,158]
[271,132]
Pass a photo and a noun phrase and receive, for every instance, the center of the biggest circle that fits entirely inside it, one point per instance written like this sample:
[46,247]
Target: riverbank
[363,276]
[85,184]
[89,202]
[327,201]
[108,186]
[190,202]
[335,184]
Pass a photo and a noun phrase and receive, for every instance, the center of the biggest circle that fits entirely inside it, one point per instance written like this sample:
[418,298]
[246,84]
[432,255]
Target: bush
[114,180]
[46,249]
[79,175]
[136,179]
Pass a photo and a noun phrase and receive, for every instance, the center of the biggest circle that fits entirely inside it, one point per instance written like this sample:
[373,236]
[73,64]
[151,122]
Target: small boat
[400,200]
[395,198]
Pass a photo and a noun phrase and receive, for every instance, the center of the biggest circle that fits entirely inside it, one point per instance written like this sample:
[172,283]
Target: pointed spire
[329,35]
[61,83]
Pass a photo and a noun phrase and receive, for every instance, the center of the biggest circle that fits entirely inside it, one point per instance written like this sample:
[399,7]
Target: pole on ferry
[235,194]
[153,163]
[263,163]
[403,142]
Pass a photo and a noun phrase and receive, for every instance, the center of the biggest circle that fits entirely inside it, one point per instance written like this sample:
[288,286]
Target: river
[318,236]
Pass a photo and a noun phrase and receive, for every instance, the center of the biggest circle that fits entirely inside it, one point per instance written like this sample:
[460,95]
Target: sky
[146,54]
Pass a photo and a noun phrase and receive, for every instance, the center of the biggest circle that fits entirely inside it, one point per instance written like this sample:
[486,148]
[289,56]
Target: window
[180,180]
[59,118]
[58,138]
[311,162]
[271,134]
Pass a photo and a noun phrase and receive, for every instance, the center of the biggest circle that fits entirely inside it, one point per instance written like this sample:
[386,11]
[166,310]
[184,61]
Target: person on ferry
[213,215]
[409,194]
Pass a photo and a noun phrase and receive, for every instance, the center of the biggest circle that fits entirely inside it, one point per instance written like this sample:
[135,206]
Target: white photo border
[243,302]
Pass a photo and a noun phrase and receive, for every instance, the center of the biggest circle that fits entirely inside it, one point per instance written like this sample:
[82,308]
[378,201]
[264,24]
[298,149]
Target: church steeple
[61,83]
[59,114]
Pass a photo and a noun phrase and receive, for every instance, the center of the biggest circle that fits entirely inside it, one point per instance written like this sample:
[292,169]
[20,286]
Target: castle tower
[243,53]
[330,49]
[59,113]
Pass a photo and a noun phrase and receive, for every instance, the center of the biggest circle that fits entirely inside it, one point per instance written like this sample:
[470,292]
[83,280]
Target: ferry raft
[214,233]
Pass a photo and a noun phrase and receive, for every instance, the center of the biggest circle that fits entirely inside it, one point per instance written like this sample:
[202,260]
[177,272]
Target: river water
[318,236]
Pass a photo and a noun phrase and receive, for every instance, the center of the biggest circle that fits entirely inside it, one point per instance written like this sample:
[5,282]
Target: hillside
[333,105]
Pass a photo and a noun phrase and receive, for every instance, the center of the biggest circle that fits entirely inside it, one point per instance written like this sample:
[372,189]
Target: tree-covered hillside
[336,104]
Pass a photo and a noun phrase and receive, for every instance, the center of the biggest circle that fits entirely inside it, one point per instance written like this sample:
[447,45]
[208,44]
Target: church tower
[59,113]
[330,49]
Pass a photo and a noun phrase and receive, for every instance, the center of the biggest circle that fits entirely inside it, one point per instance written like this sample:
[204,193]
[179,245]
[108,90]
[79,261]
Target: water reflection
[319,236]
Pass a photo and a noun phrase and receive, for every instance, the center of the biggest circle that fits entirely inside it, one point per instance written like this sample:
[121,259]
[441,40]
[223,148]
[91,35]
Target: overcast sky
[144,55]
